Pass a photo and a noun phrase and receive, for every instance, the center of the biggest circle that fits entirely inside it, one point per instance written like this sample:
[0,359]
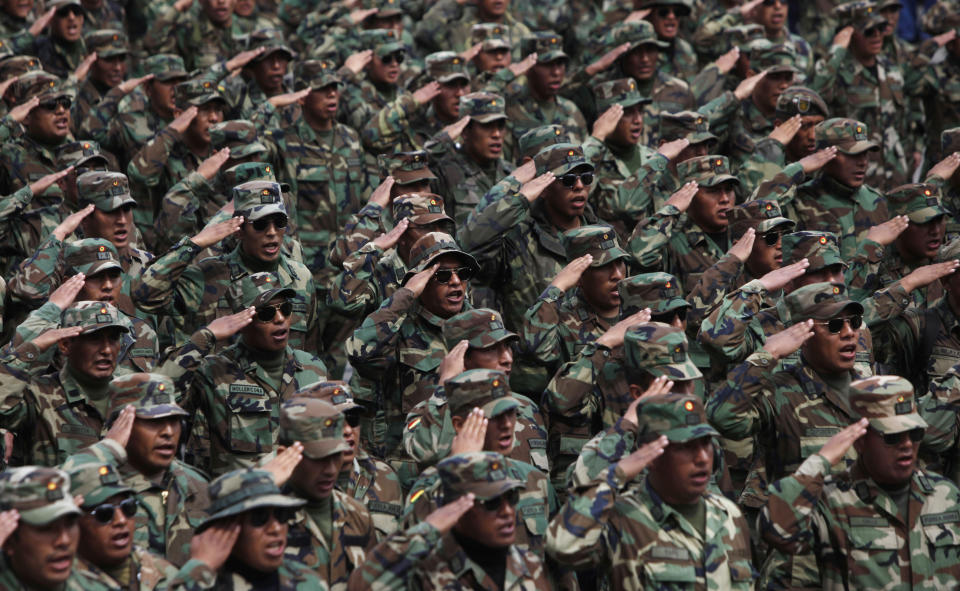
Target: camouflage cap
[92,316]
[420,209]
[743,36]
[949,251]
[773,58]
[96,481]
[761,215]
[950,140]
[41,495]
[60,4]
[483,473]
[242,490]
[488,389]
[682,6]
[546,44]
[622,91]
[165,67]
[406,167]
[108,191]
[661,292]
[483,107]
[680,417]
[821,249]
[315,423]
[432,246]
[560,159]
[708,171]
[799,100]
[43,85]
[251,171]
[84,155]
[337,393]
[272,41]
[918,201]
[446,66]
[257,199]
[493,36]
[480,327]
[659,349]
[383,42]
[887,402]
[889,4]
[636,33]
[239,135]
[849,135]
[387,8]
[688,125]
[197,93]
[598,240]
[820,301]
[90,256]
[17,65]
[152,395]
[107,43]
[539,138]
[862,15]
[315,74]
[257,289]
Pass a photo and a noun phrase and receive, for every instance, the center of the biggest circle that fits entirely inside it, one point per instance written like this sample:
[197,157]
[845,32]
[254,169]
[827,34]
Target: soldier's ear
[635,391]
[64,346]
[457,422]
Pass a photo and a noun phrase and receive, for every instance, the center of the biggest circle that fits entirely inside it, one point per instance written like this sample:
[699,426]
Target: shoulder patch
[414,423]
[415,495]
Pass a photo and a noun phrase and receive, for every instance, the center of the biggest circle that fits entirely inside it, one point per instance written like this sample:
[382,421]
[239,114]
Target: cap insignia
[162,387]
[926,192]
[52,485]
[688,405]
[836,290]
[496,383]
[103,470]
[328,422]
[495,466]
[103,310]
[103,248]
[823,240]
[570,153]
[116,183]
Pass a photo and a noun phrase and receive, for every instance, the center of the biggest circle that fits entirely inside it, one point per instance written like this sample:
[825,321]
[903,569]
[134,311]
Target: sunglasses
[874,31]
[62,101]
[771,238]
[268,313]
[772,2]
[665,11]
[510,497]
[261,515]
[393,58]
[71,10]
[569,180]
[443,276]
[279,222]
[104,513]
[835,325]
[915,436]
[352,418]
[667,317]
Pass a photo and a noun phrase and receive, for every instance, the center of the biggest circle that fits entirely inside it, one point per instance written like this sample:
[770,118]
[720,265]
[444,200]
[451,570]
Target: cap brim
[389,48]
[248,150]
[160,412]
[494,45]
[431,218]
[91,158]
[552,56]
[488,117]
[452,77]
[265,210]
[277,49]
[701,136]
[767,225]
[828,311]
[657,42]
[498,335]
[173,75]
[104,326]
[568,166]
[684,434]
[265,297]
[677,371]
[780,69]
[898,424]
[243,507]
[922,216]
[404,177]
[125,199]
[98,267]
[497,407]
[472,262]
[103,493]
[857,147]
[49,513]
[718,179]
[317,450]
[485,491]
[664,306]
[203,99]
[610,255]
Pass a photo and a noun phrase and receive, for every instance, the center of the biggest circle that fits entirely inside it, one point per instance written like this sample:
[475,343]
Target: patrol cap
[406,167]
[949,251]
[387,8]
[635,33]
[446,66]
[660,292]
[598,240]
[420,208]
[773,58]
[622,91]
[659,349]
[820,301]
[480,327]
[560,159]
[273,42]
[799,100]
[152,395]
[761,215]
[918,201]
[539,138]
[744,36]
[487,389]
[547,45]
[483,107]
[432,246]
[315,74]
[92,316]
[680,417]
[108,191]
[61,4]
[950,140]
[335,392]
[41,495]
[888,4]
[688,125]
[708,171]
[251,171]
[43,85]
[383,42]
[107,43]
[257,289]
[197,93]
[682,7]
[493,36]
[848,135]
[242,490]
[821,249]
[90,256]
[482,473]
[315,423]
[887,402]
[165,67]
[239,135]
[83,154]
[861,15]
[17,65]
[96,481]
[257,199]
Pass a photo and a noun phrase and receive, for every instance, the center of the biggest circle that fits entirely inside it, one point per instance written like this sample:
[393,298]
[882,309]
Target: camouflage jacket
[375,484]
[148,571]
[558,325]
[360,100]
[77,581]
[886,270]
[403,125]
[193,36]
[291,576]
[446,27]
[188,206]
[741,132]
[679,60]
[370,275]
[461,181]
[58,57]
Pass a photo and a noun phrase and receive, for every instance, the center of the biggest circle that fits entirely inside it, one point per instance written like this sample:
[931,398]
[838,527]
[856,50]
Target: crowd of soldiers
[422,294]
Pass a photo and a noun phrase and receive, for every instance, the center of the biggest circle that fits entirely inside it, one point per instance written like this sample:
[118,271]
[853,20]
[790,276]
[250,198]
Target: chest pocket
[248,423]
[533,512]
[943,539]
[862,97]
[668,568]
[316,205]
[814,438]
[873,540]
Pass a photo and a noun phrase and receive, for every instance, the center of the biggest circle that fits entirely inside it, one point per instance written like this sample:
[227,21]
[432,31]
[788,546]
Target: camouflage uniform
[59,57]
[244,97]
[949,142]
[107,43]
[440,30]
[677,58]
[193,36]
[360,100]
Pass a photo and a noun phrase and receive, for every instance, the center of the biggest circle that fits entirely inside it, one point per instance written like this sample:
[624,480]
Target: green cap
[90,256]
[315,423]
[41,495]
[635,33]
[493,36]
[17,65]
[744,36]
[848,135]
[761,215]
[197,93]
[949,251]
[239,135]
[96,481]
[683,6]
[152,395]
[84,155]
[488,389]
[887,402]
[273,42]
[421,209]
[659,349]
[251,171]
[918,201]
[60,4]
[861,15]
[165,67]
[708,171]
[406,167]
[108,191]
[661,292]
[387,8]
[950,140]
[546,44]
[597,240]
[257,289]
[680,417]
[315,74]
[40,84]
[821,249]
[383,42]
[242,490]
[541,137]
[480,327]
[257,199]
[335,392]
[799,100]
[92,316]
[773,58]
[432,246]
[560,159]
[820,301]
[688,125]
[483,473]
[483,107]
[622,91]
[446,66]
[106,42]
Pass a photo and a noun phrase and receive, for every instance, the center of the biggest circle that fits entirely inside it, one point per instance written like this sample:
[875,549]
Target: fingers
[460,349]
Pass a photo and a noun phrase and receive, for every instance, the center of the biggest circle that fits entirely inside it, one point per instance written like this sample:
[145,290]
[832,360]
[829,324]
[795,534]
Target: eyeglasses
[874,31]
[393,58]
[443,276]
[772,2]
[352,417]
[771,238]
[665,11]
[510,497]
[667,317]
[279,222]
[63,101]
[71,10]
[569,180]
[835,325]
[915,436]
[103,513]
[268,313]
[261,515]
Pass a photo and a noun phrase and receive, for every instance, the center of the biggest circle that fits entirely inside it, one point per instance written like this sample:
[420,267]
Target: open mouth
[505,441]
[934,244]
[455,297]
[700,478]
[165,450]
[848,352]
[103,365]
[905,461]
[495,148]
[121,540]
[60,562]
[271,248]
[280,335]
[275,549]
[722,213]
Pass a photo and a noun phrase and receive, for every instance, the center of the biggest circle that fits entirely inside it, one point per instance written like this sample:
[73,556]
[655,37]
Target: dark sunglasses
[667,317]
[915,436]
[261,515]
[510,497]
[569,180]
[352,418]
[874,31]
[771,238]
[279,222]
[393,58]
[72,10]
[63,101]
[267,313]
[772,2]
[835,325]
[104,512]
[665,11]
[444,276]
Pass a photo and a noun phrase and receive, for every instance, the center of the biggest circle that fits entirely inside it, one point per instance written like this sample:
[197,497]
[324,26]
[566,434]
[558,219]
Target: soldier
[106,72]
[494,54]
[438,31]
[202,37]
[61,50]
[772,16]
[941,77]
[814,510]
[266,73]
[365,95]
[769,226]
[667,16]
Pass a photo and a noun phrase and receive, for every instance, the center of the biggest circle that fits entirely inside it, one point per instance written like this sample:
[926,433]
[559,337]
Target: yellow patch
[688,405]
[265,192]
[162,387]
[103,248]
[496,383]
[571,153]
[413,424]
[836,291]
[51,485]
[104,470]
[413,497]
[103,310]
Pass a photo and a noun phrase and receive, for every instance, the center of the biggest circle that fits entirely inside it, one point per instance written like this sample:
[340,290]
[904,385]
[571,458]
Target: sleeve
[372,347]
[740,408]
[148,164]
[789,520]
[730,329]
[391,563]
[169,284]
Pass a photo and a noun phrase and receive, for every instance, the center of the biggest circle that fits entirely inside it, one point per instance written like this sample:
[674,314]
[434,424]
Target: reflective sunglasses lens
[465,273]
[129,507]
[103,513]
[443,275]
[835,325]
[855,322]
[587,179]
[771,238]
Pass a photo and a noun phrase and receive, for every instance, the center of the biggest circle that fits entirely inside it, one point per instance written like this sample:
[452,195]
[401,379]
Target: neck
[257,265]
[317,123]
[654,479]
[94,387]
[541,98]
[562,222]
[199,148]
[267,359]
[867,60]
[765,109]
